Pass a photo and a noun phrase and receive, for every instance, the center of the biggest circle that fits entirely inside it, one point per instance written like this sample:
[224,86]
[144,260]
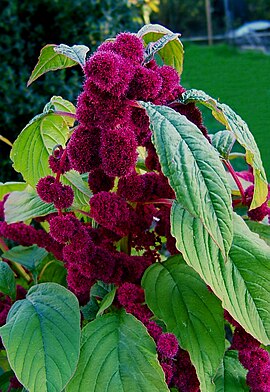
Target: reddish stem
[134,104]
[61,164]
[167,202]
[84,213]
[67,114]
[236,179]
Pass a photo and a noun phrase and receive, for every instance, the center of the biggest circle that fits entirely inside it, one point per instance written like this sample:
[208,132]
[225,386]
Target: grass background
[239,79]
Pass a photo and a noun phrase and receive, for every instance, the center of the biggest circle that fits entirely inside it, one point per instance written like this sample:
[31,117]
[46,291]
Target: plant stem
[67,114]
[3,245]
[84,213]
[236,179]
[134,104]
[16,266]
[167,202]
[235,155]
[5,140]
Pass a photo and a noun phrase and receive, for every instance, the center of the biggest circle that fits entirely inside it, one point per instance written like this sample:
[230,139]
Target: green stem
[235,155]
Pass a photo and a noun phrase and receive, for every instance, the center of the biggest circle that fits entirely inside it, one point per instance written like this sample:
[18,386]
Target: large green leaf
[8,187]
[243,282]
[231,376]
[117,355]
[31,150]
[50,60]
[194,171]
[24,205]
[172,53]
[178,296]
[7,280]
[233,122]
[42,337]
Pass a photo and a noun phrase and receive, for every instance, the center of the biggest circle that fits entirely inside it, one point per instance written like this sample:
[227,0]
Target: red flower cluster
[254,358]
[52,191]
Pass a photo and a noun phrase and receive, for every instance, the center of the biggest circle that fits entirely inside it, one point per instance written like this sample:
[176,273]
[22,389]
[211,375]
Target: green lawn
[239,79]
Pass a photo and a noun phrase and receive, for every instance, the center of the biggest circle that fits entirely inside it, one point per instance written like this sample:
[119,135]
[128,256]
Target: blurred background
[227,54]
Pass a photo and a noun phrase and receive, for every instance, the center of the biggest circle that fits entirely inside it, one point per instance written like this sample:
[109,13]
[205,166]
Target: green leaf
[261,229]
[24,205]
[7,280]
[59,104]
[231,376]
[117,354]
[54,271]
[30,257]
[107,301]
[223,141]
[239,128]
[90,310]
[99,291]
[31,150]
[42,337]
[49,60]
[243,282]
[76,52]
[154,47]
[194,171]
[8,187]
[178,296]
[80,188]
[172,53]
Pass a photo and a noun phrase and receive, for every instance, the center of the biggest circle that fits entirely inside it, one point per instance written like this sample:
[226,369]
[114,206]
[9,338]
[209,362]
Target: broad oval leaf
[31,150]
[172,53]
[76,52]
[24,205]
[8,187]
[231,376]
[117,355]
[243,282]
[179,297]
[50,60]
[42,338]
[234,123]
[7,280]
[194,171]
